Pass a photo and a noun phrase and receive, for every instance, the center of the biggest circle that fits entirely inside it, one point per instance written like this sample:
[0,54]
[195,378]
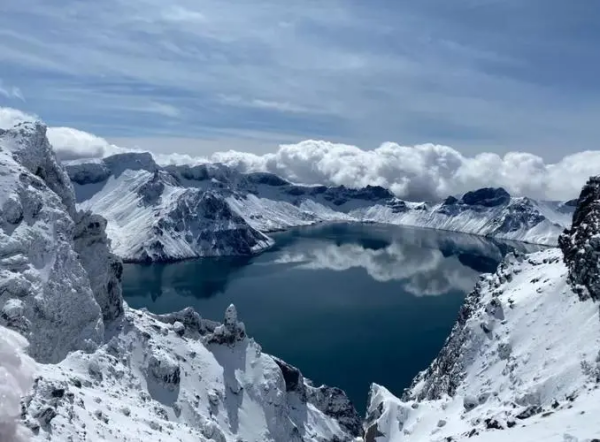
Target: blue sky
[196,76]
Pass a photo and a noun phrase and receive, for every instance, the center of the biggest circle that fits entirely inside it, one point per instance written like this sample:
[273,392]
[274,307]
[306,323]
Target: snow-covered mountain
[174,212]
[523,360]
[107,372]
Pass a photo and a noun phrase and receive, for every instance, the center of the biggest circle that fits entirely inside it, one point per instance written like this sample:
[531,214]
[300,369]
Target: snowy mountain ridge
[107,372]
[174,212]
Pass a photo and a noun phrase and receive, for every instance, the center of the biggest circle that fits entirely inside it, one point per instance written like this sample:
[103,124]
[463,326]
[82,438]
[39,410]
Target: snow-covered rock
[163,213]
[151,217]
[522,363]
[581,243]
[45,291]
[148,383]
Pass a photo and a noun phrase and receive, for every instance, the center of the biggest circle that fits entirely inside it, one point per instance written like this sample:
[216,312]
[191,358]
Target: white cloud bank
[422,172]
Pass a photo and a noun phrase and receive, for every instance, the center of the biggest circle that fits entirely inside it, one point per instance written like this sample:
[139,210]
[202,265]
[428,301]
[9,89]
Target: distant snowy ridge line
[158,213]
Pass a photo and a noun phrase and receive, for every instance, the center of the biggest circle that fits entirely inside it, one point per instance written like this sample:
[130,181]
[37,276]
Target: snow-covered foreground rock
[45,291]
[106,372]
[523,360]
[180,377]
[164,213]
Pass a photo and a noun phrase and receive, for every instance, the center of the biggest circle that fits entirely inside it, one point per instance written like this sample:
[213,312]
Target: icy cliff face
[45,292]
[523,359]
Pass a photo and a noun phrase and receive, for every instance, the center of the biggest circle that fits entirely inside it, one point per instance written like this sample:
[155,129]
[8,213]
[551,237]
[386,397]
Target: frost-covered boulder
[164,369]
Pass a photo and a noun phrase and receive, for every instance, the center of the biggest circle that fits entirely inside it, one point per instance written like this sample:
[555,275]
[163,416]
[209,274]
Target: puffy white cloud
[9,117]
[16,378]
[71,144]
[422,172]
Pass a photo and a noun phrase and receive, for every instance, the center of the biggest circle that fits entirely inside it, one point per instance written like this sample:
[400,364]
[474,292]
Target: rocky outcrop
[56,270]
[581,243]
[230,331]
[43,285]
[199,224]
[103,268]
[486,197]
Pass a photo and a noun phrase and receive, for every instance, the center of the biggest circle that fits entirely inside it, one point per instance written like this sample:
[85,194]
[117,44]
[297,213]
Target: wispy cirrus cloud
[11,91]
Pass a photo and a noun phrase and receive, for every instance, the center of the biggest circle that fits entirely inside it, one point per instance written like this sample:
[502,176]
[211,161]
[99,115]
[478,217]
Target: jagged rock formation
[581,243]
[44,284]
[103,268]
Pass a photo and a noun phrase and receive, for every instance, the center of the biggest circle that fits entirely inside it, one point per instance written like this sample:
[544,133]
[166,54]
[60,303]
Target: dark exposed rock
[334,403]
[529,411]
[292,376]
[450,201]
[89,173]
[398,206]
[581,243]
[493,424]
[486,197]
[268,179]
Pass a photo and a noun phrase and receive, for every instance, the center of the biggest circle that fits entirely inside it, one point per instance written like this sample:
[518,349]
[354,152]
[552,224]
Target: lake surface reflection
[349,304]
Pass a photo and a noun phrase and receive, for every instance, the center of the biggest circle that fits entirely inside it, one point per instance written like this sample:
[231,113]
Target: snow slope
[522,363]
[157,213]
